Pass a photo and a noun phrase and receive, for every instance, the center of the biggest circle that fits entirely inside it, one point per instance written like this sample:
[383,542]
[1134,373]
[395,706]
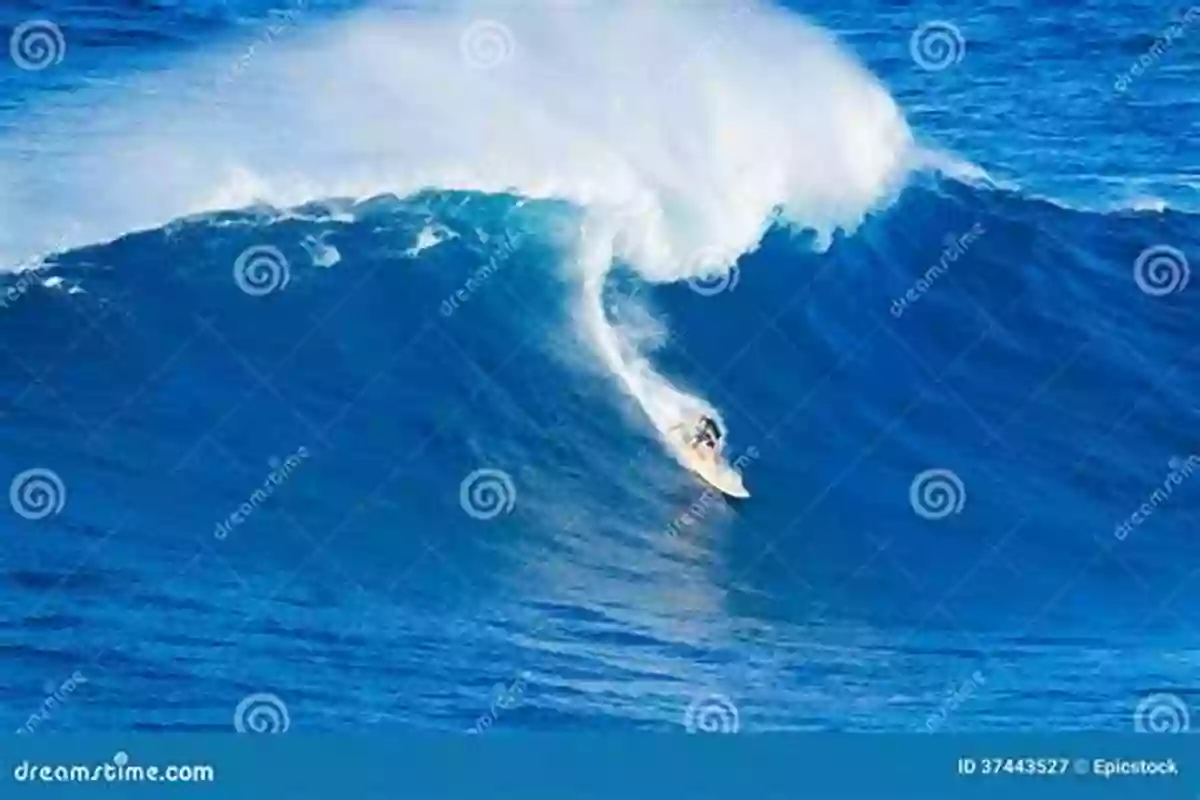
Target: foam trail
[713,119]
[663,403]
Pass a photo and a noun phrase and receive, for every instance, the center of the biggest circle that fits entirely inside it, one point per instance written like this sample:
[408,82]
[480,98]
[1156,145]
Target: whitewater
[681,132]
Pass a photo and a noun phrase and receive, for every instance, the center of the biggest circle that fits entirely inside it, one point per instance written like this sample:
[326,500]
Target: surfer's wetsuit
[707,433]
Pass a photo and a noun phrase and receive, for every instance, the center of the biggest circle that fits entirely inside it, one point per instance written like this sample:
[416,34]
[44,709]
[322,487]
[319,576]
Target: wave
[716,122]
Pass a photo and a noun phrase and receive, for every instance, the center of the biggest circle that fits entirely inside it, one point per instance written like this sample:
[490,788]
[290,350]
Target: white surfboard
[718,474]
[712,470]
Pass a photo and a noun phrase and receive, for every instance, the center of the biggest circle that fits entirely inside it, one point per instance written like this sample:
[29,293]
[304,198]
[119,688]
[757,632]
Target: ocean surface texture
[342,343]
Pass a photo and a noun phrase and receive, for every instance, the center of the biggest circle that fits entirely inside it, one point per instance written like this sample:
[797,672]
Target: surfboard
[719,475]
[715,472]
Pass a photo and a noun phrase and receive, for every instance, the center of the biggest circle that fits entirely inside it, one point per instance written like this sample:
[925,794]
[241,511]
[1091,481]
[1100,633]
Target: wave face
[363,356]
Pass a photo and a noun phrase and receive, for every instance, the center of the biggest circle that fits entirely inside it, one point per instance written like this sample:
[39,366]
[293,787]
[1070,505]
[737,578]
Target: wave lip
[752,110]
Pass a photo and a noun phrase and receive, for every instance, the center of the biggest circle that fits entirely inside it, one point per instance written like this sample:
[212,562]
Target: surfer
[701,453]
[705,437]
[707,434]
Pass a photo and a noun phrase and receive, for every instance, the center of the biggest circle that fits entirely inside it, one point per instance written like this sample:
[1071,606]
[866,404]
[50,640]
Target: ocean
[342,343]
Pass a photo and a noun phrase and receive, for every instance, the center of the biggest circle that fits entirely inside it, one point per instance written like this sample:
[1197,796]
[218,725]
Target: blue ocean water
[338,346]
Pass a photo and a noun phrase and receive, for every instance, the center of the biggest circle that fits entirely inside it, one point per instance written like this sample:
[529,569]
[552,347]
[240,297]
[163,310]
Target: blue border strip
[662,767]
